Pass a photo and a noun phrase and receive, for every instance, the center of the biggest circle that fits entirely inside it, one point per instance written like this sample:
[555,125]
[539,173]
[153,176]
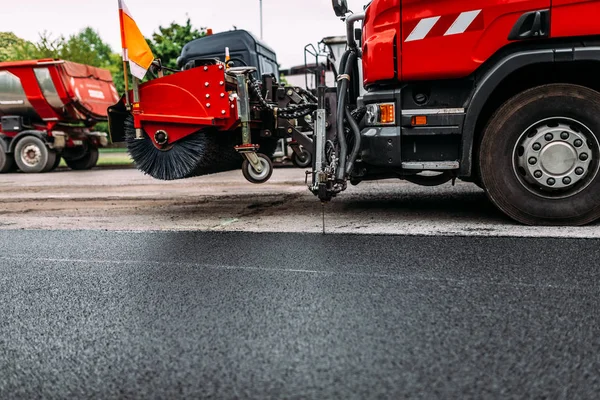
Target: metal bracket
[244,107]
[249,153]
[254,161]
[319,149]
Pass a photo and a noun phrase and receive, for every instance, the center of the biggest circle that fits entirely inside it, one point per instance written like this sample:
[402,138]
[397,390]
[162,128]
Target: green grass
[114,159]
[114,150]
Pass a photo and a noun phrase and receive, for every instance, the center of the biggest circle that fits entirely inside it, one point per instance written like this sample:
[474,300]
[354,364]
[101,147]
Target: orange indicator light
[418,120]
[388,113]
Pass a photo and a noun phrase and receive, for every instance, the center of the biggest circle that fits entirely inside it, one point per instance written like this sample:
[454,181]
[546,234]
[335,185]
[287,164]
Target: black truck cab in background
[244,48]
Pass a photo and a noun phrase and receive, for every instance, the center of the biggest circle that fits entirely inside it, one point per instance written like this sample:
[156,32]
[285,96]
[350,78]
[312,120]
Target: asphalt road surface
[113,285]
[237,315]
[127,200]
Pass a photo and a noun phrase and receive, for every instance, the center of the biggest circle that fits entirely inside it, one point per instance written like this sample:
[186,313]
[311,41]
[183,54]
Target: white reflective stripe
[136,70]
[433,111]
[123,6]
[462,23]
[422,29]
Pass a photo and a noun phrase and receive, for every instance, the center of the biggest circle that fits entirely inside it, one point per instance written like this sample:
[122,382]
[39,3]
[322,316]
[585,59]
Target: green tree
[85,47]
[167,42]
[8,42]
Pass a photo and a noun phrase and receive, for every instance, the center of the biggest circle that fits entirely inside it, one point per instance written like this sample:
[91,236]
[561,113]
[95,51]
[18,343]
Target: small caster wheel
[302,160]
[258,177]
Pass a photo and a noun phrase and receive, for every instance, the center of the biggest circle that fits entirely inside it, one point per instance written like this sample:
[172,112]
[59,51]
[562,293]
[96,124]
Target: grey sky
[288,24]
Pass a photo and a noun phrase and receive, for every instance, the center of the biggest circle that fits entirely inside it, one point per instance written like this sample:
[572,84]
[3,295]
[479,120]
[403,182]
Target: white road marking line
[421,277]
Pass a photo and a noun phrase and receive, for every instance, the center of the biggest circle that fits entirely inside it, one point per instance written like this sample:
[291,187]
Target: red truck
[48,109]
[502,93]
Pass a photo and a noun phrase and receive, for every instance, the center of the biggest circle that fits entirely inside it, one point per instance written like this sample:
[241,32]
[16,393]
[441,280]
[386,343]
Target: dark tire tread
[495,155]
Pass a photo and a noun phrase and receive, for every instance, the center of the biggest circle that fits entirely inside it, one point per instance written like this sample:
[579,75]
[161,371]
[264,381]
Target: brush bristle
[202,153]
[198,154]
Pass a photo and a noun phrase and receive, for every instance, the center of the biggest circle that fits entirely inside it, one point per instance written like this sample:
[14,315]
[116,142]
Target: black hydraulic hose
[343,85]
[344,60]
[357,141]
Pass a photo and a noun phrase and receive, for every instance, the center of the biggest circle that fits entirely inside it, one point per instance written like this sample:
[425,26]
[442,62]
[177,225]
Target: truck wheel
[6,161]
[88,161]
[540,156]
[56,163]
[33,156]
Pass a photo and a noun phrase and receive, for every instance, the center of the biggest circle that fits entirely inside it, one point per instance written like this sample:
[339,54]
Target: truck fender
[39,134]
[486,85]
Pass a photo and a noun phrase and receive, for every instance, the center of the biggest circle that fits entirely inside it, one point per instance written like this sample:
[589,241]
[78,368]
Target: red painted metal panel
[83,91]
[32,90]
[463,34]
[575,18]
[92,87]
[442,39]
[186,102]
[381,41]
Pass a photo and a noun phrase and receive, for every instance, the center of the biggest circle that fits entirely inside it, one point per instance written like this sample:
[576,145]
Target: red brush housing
[187,102]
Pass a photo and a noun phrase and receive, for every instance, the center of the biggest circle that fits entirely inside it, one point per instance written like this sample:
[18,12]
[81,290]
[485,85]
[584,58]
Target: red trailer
[48,109]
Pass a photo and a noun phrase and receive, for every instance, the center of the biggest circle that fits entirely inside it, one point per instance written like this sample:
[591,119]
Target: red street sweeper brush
[210,118]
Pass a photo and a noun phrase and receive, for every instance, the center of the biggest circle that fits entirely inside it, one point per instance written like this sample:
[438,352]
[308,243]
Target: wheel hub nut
[552,159]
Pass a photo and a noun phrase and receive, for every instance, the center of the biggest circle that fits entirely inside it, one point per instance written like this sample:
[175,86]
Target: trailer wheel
[7,161]
[303,160]
[56,163]
[540,156]
[88,161]
[258,177]
[33,156]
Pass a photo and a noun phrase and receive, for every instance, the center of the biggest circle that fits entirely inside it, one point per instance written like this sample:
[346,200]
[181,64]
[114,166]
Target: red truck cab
[457,76]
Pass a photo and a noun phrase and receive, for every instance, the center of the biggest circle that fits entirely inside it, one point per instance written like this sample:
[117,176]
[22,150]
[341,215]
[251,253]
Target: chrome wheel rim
[556,158]
[31,155]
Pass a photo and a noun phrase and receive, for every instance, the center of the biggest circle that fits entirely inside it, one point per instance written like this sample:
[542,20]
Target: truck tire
[88,161]
[56,163]
[540,156]
[7,161]
[33,156]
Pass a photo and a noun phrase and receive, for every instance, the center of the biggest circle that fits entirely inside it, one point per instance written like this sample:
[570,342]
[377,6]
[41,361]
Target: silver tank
[13,100]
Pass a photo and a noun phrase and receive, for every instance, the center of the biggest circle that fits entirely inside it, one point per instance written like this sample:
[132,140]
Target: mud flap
[116,121]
